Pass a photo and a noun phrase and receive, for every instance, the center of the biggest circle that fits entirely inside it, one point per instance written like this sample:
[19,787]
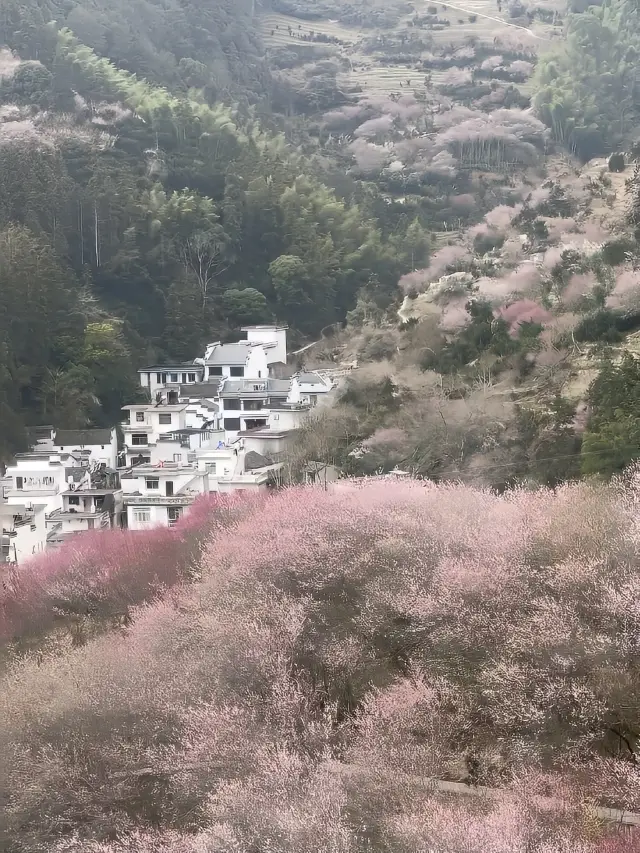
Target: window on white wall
[152,483]
[211,467]
[164,418]
[177,457]
[142,515]
[140,417]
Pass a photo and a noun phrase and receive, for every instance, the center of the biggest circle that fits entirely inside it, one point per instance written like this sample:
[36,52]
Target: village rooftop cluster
[218,424]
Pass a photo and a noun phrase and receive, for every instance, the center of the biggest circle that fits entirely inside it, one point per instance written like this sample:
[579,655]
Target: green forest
[145,209]
[167,174]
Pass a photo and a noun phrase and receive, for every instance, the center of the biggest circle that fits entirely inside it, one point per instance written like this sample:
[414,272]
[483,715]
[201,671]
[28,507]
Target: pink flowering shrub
[344,656]
[101,575]
[626,292]
[444,261]
[523,311]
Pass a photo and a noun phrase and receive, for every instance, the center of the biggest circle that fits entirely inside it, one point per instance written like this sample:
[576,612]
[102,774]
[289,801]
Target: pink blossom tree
[344,659]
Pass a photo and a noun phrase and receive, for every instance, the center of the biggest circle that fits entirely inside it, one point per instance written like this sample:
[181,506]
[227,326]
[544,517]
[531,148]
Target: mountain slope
[175,218]
[173,43]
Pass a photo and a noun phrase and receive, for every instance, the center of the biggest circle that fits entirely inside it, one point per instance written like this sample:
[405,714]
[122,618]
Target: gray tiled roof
[231,353]
[76,474]
[255,460]
[199,391]
[310,379]
[173,366]
[245,386]
[79,437]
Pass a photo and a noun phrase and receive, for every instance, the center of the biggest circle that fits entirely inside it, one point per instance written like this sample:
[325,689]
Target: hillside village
[218,424]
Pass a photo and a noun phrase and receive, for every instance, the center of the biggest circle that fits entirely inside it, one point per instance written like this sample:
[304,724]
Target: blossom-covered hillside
[334,662]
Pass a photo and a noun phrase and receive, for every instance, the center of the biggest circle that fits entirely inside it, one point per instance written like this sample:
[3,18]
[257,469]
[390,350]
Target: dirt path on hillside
[497,20]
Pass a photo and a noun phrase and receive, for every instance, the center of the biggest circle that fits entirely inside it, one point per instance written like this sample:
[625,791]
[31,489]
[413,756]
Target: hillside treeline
[165,219]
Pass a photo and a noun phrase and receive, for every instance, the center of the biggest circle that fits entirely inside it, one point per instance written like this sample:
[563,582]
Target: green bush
[615,251]
[484,243]
[600,326]
[617,163]
[377,346]
[612,439]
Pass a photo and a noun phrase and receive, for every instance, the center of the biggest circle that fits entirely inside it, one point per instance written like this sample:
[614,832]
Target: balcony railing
[159,500]
[33,491]
[133,447]
[128,425]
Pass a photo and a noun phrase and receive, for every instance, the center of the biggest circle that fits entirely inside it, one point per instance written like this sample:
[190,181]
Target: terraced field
[479,20]
[491,23]
[283,31]
[369,67]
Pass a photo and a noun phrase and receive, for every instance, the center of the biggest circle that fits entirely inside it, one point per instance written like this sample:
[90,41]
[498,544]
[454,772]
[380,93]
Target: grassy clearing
[491,24]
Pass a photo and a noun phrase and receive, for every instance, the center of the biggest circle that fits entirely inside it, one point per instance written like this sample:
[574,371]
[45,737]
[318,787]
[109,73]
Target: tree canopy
[587,89]
[336,660]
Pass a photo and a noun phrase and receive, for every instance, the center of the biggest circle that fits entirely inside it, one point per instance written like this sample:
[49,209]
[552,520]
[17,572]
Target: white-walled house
[272,338]
[145,424]
[179,447]
[287,416]
[101,444]
[40,477]
[218,460]
[158,377]
[237,360]
[247,403]
[84,509]
[267,441]
[24,531]
[232,468]
[264,348]
[309,388]
[159,495]
[203,407]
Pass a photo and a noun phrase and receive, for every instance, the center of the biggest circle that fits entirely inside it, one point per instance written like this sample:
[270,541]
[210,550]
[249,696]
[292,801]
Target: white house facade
[84,510]
[310,389]
[247,403]
[100,444]
[40,477]
[24,532]
[143,426]
[236,360]
[158,377]
[263,348]
[272,338]
[159,495]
